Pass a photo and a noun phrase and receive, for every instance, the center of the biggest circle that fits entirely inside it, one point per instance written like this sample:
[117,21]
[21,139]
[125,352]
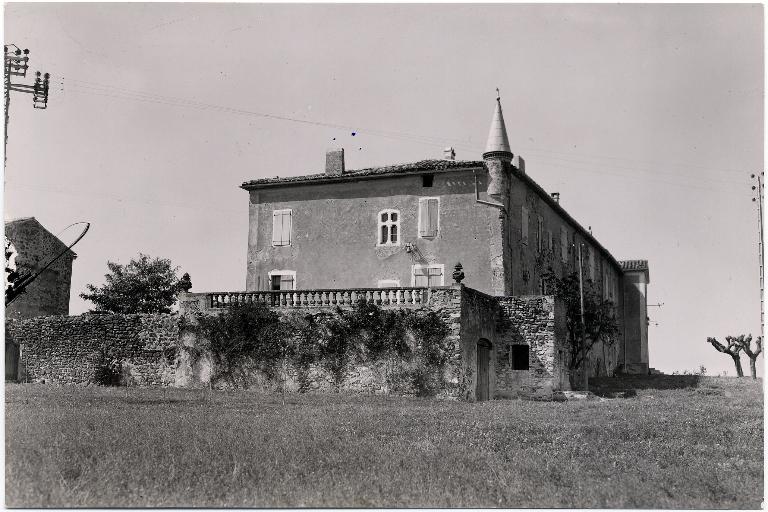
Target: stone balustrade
[410,296]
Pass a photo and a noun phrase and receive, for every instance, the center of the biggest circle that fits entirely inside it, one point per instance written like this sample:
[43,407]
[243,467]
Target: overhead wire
[549,157]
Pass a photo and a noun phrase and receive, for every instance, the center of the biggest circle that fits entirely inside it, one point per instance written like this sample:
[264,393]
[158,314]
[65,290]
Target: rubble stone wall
[68,349]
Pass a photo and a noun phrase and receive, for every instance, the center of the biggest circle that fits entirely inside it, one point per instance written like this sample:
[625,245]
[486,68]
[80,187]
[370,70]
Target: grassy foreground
[697,447]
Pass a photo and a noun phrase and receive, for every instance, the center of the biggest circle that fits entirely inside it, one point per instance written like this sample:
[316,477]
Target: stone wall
[363,375]
[49,293]
[68,349]
[539,322]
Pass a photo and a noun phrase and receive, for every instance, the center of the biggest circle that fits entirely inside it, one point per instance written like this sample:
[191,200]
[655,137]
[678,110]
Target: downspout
[488,203]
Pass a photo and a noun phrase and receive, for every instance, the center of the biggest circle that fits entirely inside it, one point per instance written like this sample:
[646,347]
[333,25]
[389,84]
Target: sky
[647,118]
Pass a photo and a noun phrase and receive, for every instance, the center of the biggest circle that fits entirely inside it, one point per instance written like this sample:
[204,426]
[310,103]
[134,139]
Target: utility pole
[759,201]
[16,65]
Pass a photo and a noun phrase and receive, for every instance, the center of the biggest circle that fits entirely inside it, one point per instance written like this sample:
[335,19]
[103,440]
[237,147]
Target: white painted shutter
[428,212]
[281,227]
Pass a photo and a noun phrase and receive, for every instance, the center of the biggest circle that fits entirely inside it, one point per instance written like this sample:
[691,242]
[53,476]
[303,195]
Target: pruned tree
[145,285]
[599,325]
[733,349]
[745,342]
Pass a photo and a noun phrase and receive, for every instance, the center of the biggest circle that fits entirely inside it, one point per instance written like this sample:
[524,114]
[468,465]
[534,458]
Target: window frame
[425,201]
[525,227]
[389,223]
[277,272]
[290,229]
[420,266]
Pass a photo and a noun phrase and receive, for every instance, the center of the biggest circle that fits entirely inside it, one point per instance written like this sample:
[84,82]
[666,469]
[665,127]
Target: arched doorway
[483,389]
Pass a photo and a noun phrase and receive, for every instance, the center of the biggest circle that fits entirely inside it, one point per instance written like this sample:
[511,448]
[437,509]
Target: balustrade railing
[410,296]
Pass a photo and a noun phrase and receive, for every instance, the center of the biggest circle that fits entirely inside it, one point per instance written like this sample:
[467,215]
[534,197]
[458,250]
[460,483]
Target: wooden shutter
[420,277]
[564,243]
[524,225]
[428,217]
[281,227]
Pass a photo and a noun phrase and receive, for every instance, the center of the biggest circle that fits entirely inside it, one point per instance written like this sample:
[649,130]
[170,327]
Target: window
[591,257]
[539,233]
[281,227]
[550,241]
[428,275]
[282,279]
[427,180]
[519,357]
[389,283]
[389,227]
[564,244]
[429,217]
[524,226]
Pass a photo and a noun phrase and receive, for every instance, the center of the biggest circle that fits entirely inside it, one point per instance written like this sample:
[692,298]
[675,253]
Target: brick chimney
[334,161]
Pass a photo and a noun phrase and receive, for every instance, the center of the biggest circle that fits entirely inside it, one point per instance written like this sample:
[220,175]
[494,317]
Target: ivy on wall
[252,336]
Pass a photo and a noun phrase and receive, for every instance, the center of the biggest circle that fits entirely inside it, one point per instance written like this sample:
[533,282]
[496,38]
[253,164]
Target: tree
[599,316]
[732,349]
[145,285]
[745,342]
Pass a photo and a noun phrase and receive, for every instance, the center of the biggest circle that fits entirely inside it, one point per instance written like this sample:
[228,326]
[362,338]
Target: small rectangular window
[282,279]
[519,357]
[524,226]
[281,227]
[429,211]
[427,180]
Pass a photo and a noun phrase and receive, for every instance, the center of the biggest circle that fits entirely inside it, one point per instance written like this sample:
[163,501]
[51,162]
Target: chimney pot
[556,196]
[449,154]
[334,161]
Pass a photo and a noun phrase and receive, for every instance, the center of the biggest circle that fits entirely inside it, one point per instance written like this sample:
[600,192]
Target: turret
[498,156]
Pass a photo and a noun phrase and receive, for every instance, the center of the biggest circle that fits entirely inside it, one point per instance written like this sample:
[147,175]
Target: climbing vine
[254,336]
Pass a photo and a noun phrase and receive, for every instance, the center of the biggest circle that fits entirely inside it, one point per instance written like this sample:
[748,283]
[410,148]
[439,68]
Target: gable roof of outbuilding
[34,222]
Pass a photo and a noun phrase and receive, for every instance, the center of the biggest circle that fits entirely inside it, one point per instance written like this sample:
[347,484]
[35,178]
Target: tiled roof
[634,265]
[414,167]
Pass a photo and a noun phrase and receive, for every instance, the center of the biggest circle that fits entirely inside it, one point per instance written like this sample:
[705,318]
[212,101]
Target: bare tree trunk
[737,362]
[752,366]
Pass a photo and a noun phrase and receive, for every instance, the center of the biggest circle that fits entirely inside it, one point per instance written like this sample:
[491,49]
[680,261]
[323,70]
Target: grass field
[694,447]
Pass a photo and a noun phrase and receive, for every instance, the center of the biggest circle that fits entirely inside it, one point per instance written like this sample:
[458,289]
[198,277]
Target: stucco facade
[335,230]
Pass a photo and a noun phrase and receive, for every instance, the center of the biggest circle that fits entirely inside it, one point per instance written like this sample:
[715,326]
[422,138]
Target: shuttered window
[591,256]
[564,244]
[281,227]
[524,226]
[550,241]
[428,275]
[539,233]
[429,212]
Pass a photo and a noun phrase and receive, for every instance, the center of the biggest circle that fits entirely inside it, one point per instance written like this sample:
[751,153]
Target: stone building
[36,246]
[409,224]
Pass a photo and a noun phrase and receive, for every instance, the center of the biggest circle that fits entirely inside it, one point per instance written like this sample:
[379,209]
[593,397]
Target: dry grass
[699,447]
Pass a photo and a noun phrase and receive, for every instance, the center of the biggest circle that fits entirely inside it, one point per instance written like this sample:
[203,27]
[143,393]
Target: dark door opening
[482,392]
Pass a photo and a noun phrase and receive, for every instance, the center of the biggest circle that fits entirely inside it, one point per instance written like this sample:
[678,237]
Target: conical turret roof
[498,142]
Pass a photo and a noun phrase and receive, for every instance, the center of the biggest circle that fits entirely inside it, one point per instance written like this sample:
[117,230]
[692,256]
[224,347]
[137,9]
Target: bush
[107,372]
